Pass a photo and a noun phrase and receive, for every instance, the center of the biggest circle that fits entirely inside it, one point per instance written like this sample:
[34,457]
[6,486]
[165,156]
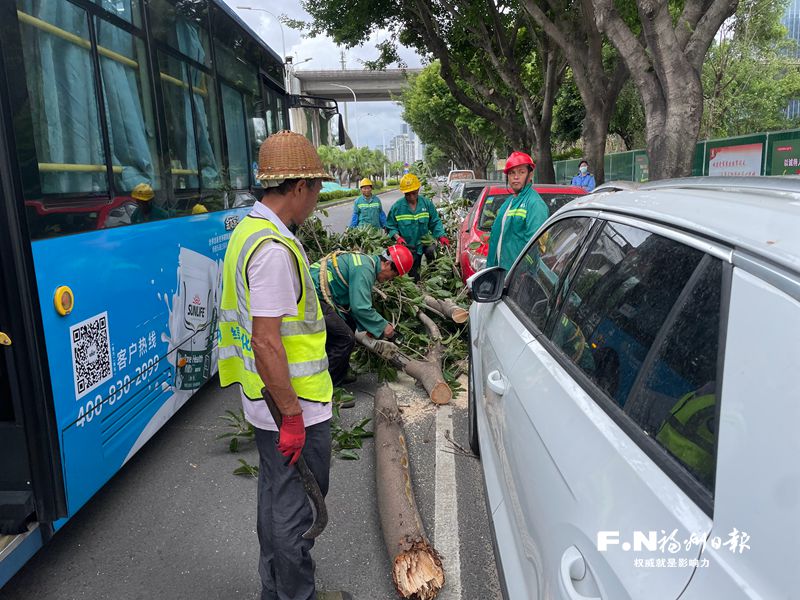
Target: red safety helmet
[516,159]
[401,257]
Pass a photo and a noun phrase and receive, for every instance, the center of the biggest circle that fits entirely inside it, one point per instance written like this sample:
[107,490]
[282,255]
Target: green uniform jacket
[522,216]
[413,225]
[360,272]
[368,212]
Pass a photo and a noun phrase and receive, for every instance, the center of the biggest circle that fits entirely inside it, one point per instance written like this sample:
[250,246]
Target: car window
[472,193]
[621,295]
[556,201]
[489,210]
[676,405]
[534,282]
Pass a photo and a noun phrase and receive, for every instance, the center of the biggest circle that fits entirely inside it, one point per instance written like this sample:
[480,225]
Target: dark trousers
[284,514]
[339,343]
[429,252]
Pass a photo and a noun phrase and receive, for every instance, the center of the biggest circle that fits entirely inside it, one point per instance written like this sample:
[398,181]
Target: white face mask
[584,169]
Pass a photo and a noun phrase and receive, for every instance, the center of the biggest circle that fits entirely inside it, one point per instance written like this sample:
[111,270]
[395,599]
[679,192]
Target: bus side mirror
[341,130]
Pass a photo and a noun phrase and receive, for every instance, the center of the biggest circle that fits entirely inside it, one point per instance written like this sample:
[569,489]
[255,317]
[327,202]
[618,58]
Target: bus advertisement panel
[140,339]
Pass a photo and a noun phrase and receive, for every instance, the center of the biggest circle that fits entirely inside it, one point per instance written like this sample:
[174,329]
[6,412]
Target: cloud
[368,121]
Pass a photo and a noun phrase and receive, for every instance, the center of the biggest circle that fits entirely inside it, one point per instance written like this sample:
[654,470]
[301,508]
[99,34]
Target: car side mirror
[487,285]
[341,131]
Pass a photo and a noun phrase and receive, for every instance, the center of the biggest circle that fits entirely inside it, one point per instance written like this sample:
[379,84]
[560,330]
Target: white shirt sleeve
[274,281]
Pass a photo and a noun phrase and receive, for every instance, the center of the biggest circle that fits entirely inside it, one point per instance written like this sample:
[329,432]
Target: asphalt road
[175,523]
[339,217]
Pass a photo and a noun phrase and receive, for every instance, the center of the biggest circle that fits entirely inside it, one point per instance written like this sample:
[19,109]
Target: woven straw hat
[289,155]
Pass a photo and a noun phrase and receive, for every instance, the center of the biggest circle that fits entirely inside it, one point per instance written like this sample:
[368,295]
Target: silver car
[634,395]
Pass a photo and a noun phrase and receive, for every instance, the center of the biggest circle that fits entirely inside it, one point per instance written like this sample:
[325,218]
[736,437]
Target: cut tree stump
[417,570]
[447,308]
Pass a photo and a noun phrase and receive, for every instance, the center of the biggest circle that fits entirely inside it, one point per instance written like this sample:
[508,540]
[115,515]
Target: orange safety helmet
[518,158]
[401,257]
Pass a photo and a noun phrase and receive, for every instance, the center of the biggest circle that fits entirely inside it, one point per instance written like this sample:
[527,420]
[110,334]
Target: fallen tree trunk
[428,371]
[416,567]
[447,308]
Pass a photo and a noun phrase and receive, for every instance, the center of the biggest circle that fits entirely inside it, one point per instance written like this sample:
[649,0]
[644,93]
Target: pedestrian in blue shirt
[584,179]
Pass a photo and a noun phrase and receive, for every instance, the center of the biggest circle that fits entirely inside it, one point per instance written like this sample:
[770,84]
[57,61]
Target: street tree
[750,73]
[441,121]
[665,61]
[494,60]
[598,73]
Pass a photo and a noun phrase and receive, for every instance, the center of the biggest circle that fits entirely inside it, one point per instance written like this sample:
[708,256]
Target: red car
[473,235]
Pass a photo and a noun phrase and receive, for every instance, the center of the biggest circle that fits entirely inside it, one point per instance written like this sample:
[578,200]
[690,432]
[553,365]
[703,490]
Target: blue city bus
[129,136]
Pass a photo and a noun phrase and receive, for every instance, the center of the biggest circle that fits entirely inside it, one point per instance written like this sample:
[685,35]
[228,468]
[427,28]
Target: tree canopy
[439,119]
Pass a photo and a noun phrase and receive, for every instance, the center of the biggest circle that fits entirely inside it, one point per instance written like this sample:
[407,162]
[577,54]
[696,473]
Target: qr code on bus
[91,353]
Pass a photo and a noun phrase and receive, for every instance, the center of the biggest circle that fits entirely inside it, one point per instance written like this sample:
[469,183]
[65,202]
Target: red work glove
[401,240]
[444,240]
[292,437]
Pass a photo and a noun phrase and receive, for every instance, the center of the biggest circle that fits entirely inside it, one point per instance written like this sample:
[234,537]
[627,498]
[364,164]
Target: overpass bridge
[367,85]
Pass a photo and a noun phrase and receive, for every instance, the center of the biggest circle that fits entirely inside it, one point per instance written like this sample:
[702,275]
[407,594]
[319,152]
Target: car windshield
[494,202]
[473,193]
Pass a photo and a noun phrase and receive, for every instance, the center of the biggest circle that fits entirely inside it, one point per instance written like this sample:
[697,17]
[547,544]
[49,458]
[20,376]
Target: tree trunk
[448,308]
[594,141]
[416,567]
[544,158]
[428,371]
[668,152]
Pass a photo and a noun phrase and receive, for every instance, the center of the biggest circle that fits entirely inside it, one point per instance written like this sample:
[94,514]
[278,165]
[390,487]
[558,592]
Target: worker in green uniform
[520,217]
[344,283]
[367,209]
[413,217]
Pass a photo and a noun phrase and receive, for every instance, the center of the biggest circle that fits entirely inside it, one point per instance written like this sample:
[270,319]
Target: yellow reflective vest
[303,335]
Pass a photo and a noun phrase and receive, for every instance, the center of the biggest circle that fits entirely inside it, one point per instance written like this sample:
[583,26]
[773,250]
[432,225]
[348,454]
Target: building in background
[791,20]
[406,147]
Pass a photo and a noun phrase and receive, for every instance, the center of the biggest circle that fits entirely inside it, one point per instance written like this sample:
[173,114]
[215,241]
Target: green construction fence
[773,153]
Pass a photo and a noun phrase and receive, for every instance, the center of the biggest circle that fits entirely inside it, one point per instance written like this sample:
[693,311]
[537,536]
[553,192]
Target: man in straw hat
[272,334]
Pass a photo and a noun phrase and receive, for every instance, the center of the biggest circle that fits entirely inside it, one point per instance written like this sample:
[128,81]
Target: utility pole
[344,63]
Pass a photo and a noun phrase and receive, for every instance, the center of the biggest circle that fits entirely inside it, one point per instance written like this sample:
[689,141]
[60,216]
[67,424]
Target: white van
[460,174]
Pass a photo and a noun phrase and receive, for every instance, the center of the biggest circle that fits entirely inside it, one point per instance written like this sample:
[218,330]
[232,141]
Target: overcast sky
[373,119]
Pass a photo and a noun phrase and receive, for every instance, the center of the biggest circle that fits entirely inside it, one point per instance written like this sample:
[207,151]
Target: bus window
[129,108]
[130,10]
[182,27]
[236,135]
[206,124]
[192,127]
[61,89]
[180,128]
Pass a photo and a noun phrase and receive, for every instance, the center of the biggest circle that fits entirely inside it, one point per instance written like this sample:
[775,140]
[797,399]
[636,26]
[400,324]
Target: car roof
[542,188]
[758,214]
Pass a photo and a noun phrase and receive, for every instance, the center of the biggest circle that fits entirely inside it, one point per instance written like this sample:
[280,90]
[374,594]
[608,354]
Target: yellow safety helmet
[409,182]
[143,192]
[199,209]
[365,181]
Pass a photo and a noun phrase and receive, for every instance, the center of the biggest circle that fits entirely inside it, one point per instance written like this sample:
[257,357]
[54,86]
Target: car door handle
[574,571]
[496,382]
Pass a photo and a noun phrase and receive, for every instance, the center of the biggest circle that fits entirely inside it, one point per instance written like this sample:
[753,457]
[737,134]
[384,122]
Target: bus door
[31,481]
[16,497]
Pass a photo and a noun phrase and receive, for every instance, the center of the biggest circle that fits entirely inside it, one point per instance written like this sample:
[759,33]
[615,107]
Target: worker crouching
[344,283]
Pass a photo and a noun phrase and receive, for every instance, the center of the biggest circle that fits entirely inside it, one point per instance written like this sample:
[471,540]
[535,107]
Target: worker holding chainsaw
[272,343]
[344,283]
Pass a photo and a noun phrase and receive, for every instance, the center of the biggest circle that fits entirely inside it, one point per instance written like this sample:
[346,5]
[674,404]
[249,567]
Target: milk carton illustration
[194,315]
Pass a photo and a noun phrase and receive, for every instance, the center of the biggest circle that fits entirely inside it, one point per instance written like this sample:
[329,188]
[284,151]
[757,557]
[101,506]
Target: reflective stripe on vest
[302,335]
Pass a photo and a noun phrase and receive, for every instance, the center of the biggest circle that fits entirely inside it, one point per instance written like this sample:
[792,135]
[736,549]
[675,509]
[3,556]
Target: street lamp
[355,100]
